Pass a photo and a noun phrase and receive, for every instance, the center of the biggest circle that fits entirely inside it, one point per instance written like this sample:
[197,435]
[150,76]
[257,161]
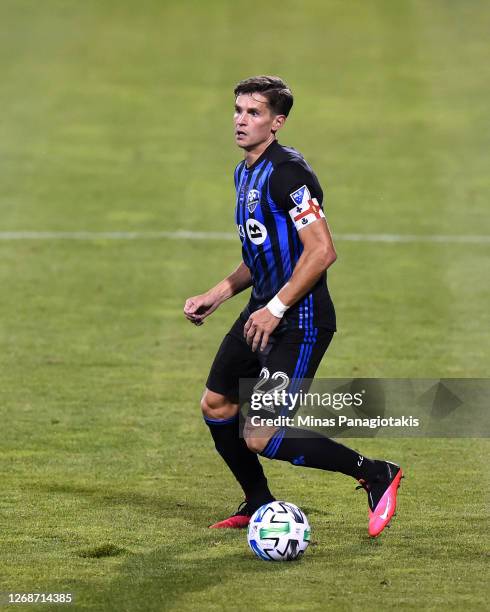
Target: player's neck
[253,155]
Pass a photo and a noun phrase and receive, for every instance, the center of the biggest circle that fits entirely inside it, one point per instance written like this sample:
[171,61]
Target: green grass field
[116,116]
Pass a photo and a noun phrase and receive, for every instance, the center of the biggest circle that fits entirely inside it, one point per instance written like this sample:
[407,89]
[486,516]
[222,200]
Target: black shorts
[292,353]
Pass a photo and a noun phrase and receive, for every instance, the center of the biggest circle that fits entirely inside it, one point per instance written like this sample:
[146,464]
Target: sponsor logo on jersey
[241,231]
[307,208]
[256,231]
[253,198]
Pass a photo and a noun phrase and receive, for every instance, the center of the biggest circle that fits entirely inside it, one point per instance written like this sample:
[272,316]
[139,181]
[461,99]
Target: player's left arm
[296,189]
[318,254]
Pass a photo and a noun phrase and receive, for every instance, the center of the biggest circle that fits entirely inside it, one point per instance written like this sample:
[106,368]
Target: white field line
[191,235]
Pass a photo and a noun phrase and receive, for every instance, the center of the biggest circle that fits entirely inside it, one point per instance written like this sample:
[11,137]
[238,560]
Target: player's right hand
[197,308]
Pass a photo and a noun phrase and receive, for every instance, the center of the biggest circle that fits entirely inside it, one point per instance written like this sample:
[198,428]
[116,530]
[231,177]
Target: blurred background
[116,116]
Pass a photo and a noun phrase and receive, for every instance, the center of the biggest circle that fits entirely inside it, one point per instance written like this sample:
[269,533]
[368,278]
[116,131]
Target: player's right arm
[197,308]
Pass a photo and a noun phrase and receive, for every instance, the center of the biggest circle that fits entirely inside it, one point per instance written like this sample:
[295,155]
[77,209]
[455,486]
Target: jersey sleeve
[296,189]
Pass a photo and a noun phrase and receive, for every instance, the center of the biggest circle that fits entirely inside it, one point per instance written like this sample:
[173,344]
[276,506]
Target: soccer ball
[278,531]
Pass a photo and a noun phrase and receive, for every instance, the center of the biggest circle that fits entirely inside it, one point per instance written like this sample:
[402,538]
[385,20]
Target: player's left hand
[259,327]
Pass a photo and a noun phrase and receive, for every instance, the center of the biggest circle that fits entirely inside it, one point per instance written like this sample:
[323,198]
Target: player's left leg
[311,449]
[295,357]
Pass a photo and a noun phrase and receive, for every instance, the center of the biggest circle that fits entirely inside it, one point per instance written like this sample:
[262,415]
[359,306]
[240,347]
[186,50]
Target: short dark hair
[278,94]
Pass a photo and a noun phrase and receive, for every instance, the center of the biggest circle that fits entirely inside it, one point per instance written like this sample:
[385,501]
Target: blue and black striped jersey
[275,197]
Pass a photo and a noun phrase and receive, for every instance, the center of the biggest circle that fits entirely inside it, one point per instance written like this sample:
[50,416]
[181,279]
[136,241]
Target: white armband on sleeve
[307,209]
[276,307]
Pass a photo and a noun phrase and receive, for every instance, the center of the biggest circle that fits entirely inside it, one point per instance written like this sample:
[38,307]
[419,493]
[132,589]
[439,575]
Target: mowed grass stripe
[191,235]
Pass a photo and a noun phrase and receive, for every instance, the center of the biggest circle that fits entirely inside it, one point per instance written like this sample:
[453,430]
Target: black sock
[244,464]
[317,451]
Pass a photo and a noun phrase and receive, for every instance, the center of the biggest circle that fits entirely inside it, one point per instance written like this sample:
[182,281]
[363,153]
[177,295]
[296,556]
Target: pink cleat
[239,520]
[382,496]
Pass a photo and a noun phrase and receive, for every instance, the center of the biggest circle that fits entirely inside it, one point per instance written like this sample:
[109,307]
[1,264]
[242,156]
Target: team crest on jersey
[253,198]
[307,208]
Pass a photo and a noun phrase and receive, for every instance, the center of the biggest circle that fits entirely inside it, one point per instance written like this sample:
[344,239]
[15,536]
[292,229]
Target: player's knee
[256,445]
[216,406]
[257,438]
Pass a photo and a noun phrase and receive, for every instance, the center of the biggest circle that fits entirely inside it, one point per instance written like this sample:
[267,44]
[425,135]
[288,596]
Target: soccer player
[289,321]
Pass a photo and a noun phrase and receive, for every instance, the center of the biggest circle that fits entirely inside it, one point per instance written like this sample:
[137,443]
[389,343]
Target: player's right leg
[380,479]
[220,408]
[222,417]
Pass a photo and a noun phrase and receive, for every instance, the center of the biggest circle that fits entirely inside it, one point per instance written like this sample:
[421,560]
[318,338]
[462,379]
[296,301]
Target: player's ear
[278,122]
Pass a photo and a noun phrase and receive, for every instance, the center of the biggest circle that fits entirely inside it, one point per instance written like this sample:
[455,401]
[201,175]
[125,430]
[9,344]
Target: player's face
[254,121]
